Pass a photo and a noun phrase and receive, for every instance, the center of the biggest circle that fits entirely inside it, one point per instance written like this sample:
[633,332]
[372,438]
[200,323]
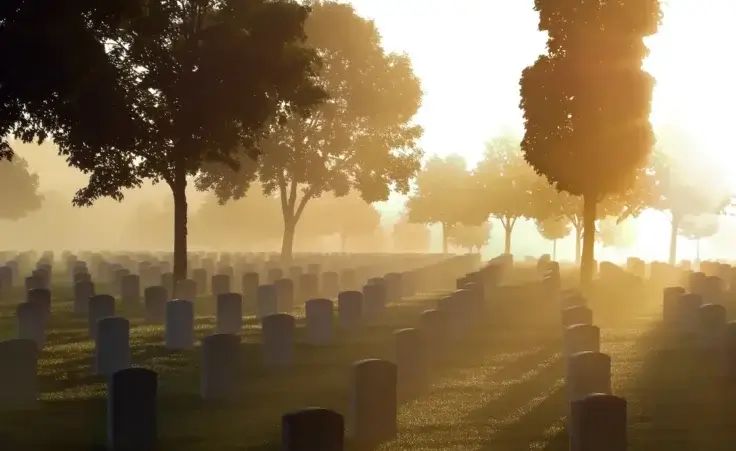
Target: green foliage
[554,228]
[698,227]
[19,188]
[57,80]
[410,237]
[470,236]
[361,139]
[444,194]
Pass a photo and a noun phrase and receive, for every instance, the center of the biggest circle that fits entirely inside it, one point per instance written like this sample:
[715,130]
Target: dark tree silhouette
[586,102]
[204,79]
[444,195]
[57,80]
[19,189]
[361,139]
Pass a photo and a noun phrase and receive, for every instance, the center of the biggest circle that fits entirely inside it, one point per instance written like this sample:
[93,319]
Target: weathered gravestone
[411,362]
[130,291]
[267,301]
[131,410]
[220,284]
[220,370]
[250,282]
[434,325]
[229,313]
[598,423]
[99,306]
[285,294]
[18,380]
[373,402]
[31,323]
[313,429]
[179,325]
[277,339]
[349,309]
[42,298]
[112,345]
[319,315]
[154,299]
[83,291]
[588,372]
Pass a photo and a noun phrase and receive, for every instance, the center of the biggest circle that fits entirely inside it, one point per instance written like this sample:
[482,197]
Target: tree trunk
[588,257]
[697,251]
[578,242]
[673,238]
[445,229]
[554,250]
[343,242]
[179,188]
[287,243]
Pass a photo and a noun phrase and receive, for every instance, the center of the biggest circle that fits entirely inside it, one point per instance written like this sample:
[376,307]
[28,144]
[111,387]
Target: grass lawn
[499,390]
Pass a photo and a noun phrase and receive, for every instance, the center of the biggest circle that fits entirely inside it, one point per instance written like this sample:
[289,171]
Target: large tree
[444,195]
[410,237]
[204,79]
[507,187]
[57,79]
[18,189]
[696,228]
[587,101]
[361,139]
[554,229]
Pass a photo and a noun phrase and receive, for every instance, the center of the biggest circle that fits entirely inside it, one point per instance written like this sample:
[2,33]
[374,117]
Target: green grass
[499,390]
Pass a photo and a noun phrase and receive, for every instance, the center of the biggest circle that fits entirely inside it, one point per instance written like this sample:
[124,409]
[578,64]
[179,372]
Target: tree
[444,195]
[204,79]
[348,217]
[611,233]
[410,237]
[507,185]
[696,228]
[553,229]
[586,101]
[19,188]
[362,139]
[58,81]
[470,237]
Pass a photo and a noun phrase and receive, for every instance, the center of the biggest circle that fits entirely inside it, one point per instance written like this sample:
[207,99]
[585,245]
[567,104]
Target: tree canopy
[18,189]
[507,187]
[554,228]
[361,139]
[586,101]
[203,79]
[470,237]
[348,217]
[699,227]
[444,194]
[410,237]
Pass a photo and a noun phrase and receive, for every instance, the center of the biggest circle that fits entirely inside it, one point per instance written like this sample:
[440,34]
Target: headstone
[267,301]
[18,378]
[154,298]
[179,325]
[581,338]
[411,362]
[199,276]
[274,274]
[373,402]
[576,315]
[130,291]
[349,309]
[434,325]
[670,303]
[100,306]
[598,423]
[587,373]
[31,322]
[319,315]
[112,345]
[131,410]
[220,284]
[167,280]
[250,282]
[712,319]
[687,312]
[308,287]
[313,429]
[394,286]
[229,313]
[186,289]
[83,291]
[330,284]
[285,293]
[41,297]
[374,300]
[220,370]
[277,339]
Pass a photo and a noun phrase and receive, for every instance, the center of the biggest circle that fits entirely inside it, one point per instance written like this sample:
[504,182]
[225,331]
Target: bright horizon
[469,59]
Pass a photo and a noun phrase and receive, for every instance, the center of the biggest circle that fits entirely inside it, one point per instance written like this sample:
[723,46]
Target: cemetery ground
[500,389]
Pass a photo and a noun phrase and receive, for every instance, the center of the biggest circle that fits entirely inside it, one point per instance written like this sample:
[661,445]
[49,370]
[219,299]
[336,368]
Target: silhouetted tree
[348,217]
[470,237]
[444,195]
[204,79]
[57,80]
[698,227]
[553,229]
[410,237]
[18,189]
[507,186]
[587,101]
[362,139]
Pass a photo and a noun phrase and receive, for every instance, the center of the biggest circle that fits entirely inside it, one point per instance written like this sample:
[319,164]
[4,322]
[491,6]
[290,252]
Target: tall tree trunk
[179,190]
[676,218]
[578,242]
[590,201]
[343,242]
[445,238]
[287,242]
[697,251]
[554,250]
